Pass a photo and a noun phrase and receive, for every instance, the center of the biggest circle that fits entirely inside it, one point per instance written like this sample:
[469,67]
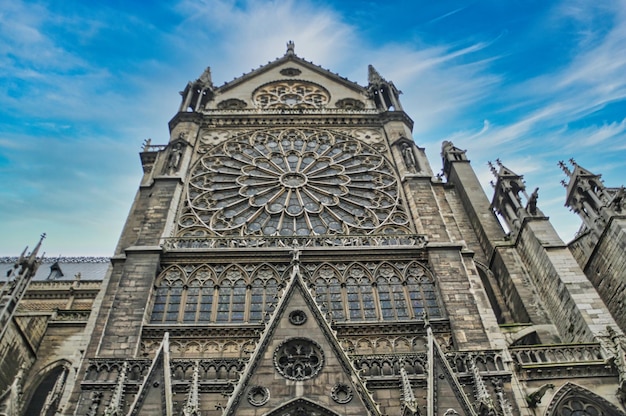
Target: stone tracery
[292,183]
[291,94]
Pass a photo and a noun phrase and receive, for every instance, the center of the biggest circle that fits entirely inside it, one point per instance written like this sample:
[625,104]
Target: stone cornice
[318,118]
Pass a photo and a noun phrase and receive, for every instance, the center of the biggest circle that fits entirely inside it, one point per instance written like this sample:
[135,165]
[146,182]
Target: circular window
[298,359]
[258,396]
[291,183]
[341,393]
[297,317]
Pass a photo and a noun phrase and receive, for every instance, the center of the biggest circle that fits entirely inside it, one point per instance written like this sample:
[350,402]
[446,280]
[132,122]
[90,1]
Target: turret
[507,200]
[587,196]
[197,94]
[383,92]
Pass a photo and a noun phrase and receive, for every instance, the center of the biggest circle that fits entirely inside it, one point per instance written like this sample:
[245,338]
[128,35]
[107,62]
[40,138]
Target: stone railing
[380,240]
[556,354]
[561,361]
[106,371]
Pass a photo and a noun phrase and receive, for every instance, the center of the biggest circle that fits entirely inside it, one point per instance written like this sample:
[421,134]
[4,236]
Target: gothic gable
[290,83]
[572,399]
[298,356]
[301,407]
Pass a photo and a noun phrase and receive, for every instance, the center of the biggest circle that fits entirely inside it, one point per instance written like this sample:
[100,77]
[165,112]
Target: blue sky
[82,84]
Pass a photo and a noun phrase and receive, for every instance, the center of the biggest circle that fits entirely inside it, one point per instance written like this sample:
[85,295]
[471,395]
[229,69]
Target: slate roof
[62,268]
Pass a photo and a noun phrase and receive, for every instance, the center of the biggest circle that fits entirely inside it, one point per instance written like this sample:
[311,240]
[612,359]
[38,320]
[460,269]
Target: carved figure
[409,158]
[173,160]
[532,202]
[535,397]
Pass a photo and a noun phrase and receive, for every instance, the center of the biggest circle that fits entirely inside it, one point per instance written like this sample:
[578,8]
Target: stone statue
[173,160]
[409,158]
[532,202]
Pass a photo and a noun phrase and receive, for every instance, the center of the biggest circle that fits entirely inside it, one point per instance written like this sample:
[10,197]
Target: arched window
[398,292]
[262,296]
[199,299]
[392,298]
[574,400]
[328,293]
[46,397]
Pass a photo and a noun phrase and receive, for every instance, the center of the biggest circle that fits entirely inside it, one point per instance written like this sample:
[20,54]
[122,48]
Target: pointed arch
[391,292]
[572,399]
[302,407]
[168,290]
[328,282]
[422,291]
[359,293]
[47,389]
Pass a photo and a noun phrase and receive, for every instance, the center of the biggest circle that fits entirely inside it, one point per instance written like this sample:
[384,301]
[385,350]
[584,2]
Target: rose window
[291,94]
[291,183]
[298,359]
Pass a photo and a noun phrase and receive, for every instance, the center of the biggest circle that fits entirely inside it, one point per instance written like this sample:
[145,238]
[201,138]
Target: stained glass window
[352,296]
[291,183]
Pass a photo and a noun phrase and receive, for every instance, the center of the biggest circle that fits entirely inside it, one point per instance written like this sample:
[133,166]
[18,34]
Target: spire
[373,77]
[205,78]
[563,167]
[383,92]
[587,196]
[507,199]
[291,46]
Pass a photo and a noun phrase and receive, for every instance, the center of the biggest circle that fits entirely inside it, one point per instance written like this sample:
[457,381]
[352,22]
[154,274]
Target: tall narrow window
[223,301]
[239,301]
[160,302]
[191,303]
[173,302]
[328,294]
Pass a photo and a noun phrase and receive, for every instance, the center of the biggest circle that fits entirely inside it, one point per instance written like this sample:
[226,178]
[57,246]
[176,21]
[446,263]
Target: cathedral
[290,252]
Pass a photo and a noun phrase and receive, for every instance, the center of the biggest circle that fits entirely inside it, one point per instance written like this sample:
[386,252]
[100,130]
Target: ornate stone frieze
[212,242]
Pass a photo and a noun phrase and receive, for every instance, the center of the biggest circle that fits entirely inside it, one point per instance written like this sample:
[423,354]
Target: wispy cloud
[81,87]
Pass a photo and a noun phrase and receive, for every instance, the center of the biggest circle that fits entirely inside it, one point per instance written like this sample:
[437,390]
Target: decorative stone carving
[231,104]
[341,393]
[298,359]
[350,104]
[291,94]
[258,395]
[297,317]
[290,72]
[292,183]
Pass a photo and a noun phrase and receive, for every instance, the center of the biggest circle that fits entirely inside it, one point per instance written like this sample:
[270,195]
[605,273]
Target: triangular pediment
[505,172]
[299,358]
[155,393]
[579,175]
[301,407]
[289,76]
[290,61]
[447,386]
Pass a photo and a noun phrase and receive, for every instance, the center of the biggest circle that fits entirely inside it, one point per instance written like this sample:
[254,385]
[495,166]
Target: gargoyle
[534,398]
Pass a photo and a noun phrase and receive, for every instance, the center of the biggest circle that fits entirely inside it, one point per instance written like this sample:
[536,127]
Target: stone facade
[47,331]
[290,252]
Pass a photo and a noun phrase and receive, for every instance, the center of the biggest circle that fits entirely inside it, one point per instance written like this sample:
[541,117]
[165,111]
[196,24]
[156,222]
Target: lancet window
[382,292]
[205,296]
